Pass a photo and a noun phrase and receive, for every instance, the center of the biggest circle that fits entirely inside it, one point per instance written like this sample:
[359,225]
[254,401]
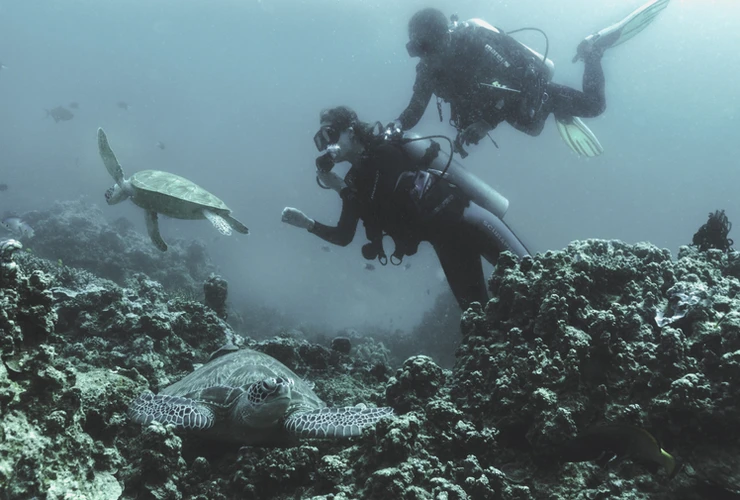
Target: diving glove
[296,218]
[472,134]
[475,132]
[457,146]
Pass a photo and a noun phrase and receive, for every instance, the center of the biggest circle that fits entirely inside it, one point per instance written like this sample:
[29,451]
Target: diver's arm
[419,101]
[296,218]
[344,232]
[373,232]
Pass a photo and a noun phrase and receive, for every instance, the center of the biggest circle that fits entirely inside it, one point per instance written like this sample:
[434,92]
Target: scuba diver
[489,77]
[402,187]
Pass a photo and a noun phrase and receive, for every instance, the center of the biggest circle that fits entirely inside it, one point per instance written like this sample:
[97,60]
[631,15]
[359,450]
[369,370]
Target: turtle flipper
[236,225]
[152,227]
[218,222]
[109,158]
[334,422]
[183,413]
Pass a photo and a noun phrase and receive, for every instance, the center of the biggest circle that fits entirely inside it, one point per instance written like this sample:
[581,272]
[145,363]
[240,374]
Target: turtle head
[264,403]
[117,193]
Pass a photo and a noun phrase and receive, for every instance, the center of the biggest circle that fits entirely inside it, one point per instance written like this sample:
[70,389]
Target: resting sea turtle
[160,192]
[248,397]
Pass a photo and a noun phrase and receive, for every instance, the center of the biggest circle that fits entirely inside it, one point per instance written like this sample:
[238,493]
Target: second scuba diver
[393,193]
[489,77]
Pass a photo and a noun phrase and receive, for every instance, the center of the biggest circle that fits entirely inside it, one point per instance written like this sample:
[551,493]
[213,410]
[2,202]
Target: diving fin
[578,136]
[622,31]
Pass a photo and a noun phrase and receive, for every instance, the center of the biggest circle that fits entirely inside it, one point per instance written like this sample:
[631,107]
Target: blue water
[234,88]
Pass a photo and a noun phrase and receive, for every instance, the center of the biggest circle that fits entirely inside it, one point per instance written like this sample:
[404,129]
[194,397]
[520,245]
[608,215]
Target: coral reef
[8,266]
[571,338]
[76,234]
[215,291]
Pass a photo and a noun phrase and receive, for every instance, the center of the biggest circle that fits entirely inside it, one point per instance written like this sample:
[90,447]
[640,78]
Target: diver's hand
[475,132]
[331,180]
[458,147]
[296,218]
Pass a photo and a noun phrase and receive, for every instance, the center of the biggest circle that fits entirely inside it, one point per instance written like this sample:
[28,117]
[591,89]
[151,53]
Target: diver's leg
[567,101]
[533,128]
[592,48]
[594,86]
[492,235]
[463,269]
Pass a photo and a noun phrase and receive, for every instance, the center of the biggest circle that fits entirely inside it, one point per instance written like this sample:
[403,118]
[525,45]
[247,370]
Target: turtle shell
[173,195]
[240,369]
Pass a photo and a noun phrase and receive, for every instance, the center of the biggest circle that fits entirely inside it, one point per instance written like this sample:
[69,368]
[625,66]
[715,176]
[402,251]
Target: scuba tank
[429,156]
[534,70]
[547,63]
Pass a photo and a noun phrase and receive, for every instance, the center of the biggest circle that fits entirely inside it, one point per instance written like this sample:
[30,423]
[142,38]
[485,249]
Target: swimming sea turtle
[248,397]
[160,192]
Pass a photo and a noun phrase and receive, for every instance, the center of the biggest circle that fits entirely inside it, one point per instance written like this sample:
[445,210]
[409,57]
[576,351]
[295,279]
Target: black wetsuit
[378,192]
[478,55]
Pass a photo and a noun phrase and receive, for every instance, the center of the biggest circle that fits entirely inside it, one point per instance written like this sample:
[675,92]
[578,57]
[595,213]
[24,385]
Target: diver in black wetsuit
[489,77]
[387,190]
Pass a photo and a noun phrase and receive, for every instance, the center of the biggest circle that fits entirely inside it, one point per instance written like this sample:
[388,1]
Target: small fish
[608,442]
[326,248]
[122,105]
[16,226]
[407,265]
[74,105]
[3,187]
[60,113]
[369,267]
[160,145]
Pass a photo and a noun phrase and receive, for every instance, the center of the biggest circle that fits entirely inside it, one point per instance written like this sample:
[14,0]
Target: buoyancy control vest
[512,73]
[433,165]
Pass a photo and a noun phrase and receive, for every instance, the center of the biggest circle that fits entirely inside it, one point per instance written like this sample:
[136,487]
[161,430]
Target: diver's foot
[595,45]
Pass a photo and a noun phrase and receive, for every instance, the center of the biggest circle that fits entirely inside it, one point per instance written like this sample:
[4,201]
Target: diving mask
[325,136]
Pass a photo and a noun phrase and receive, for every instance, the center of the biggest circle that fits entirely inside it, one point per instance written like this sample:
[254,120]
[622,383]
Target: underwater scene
[353,249]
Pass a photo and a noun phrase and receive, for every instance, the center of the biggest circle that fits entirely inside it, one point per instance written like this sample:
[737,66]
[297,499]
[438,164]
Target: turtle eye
[269,384]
